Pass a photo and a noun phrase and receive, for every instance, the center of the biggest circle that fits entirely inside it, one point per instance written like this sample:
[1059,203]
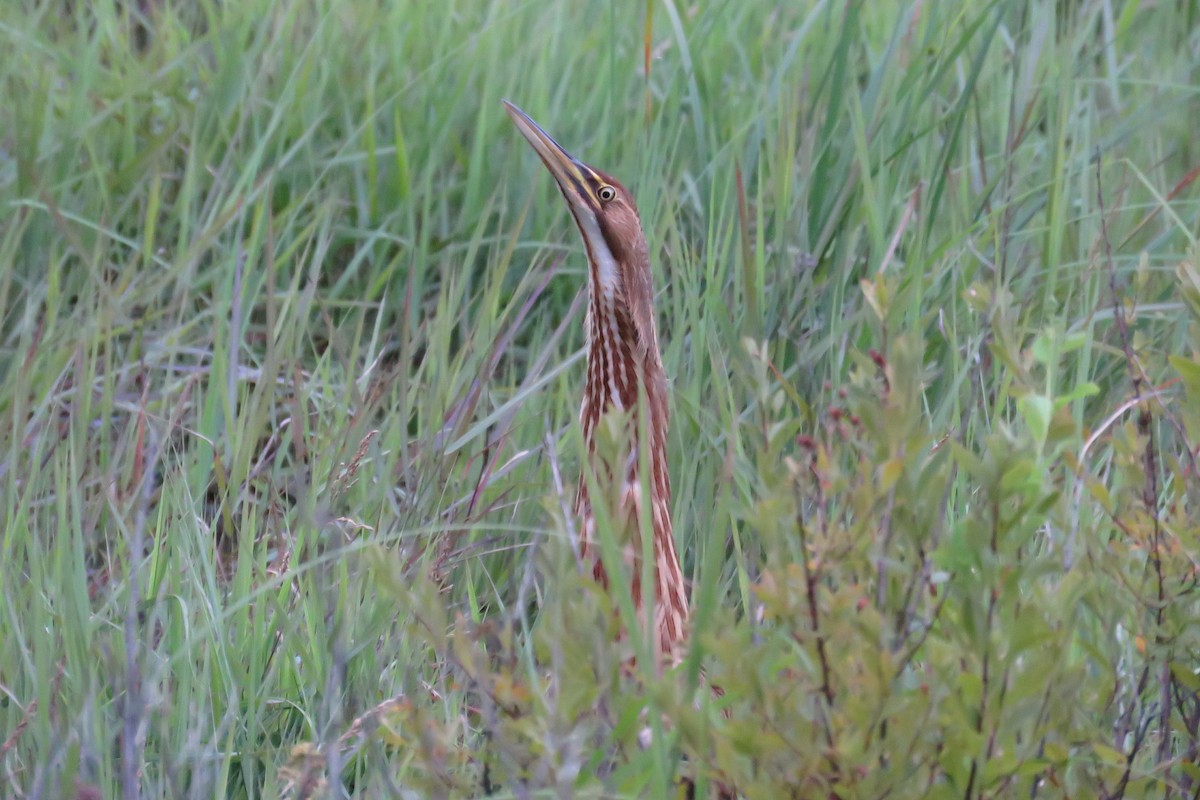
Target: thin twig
[1149,494]
[810,585]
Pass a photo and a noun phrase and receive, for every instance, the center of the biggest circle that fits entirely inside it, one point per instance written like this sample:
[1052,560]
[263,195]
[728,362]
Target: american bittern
[624,372]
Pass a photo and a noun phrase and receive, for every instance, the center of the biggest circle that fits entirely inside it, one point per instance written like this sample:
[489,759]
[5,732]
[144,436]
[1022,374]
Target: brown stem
[810,586]
[1150,467]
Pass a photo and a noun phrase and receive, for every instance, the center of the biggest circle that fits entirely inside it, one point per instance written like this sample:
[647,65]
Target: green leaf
[1036,409]
[1189,373]
[1108,754]
[1081,390]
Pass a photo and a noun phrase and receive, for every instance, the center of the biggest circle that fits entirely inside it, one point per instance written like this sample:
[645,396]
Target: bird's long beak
[571,173]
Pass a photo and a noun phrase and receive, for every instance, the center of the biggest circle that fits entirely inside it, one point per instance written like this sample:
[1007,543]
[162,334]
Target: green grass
[290,337]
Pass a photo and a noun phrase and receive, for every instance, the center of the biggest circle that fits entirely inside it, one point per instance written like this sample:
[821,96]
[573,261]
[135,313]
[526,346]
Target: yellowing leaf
[889,473]
[871,295]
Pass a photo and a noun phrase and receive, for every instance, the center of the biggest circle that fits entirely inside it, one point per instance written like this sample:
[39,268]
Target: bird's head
[604,212]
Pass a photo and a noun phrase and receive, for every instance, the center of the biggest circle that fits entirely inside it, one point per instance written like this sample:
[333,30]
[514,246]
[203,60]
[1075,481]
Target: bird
[625,376]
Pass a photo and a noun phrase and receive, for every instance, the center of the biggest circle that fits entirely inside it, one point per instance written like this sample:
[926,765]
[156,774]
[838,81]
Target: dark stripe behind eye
[609,238]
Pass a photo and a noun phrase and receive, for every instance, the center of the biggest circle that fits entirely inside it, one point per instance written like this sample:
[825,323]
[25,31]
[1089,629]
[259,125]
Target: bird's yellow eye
[606,193]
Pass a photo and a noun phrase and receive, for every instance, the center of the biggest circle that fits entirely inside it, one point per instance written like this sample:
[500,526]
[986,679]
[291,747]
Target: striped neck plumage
[623,356]
[624,372]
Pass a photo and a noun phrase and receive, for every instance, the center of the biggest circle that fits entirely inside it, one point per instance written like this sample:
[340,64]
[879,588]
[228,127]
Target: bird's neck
[624,368]
[625,373]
